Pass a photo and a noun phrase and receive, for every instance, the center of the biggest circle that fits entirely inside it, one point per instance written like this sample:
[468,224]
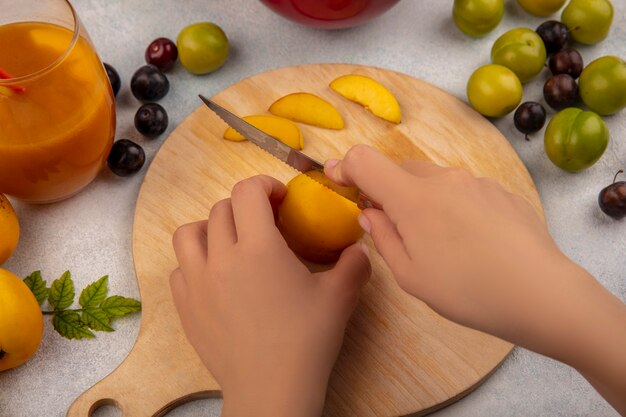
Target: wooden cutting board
[399,357]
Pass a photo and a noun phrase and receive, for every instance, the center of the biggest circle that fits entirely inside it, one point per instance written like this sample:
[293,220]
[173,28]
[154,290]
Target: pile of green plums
[574,139]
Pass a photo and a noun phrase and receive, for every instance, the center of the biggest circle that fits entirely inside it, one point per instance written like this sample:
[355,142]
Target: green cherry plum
[602,85]
[202,47]
[494,90]
[477,17]
[522,51]
[575,139]
[541,7]
[589,21]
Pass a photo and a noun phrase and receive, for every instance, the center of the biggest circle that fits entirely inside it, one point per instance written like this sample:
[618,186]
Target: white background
[90,234]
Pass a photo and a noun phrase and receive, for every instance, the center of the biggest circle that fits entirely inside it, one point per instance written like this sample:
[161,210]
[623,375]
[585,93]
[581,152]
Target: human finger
[350,273]
[252,201]
[221,232]
[369,170]
[190,245]
[386,238]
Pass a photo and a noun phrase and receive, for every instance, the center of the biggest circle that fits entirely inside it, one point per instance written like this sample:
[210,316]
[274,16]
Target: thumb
[350,273]
[386,238]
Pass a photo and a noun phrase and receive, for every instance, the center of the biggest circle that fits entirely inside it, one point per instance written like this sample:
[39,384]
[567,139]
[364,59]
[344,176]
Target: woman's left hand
[267,328]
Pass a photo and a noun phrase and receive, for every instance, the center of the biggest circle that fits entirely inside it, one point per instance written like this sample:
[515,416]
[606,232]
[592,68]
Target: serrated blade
[285,153]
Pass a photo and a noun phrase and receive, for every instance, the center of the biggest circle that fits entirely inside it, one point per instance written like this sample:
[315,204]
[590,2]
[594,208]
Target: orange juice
[57,112]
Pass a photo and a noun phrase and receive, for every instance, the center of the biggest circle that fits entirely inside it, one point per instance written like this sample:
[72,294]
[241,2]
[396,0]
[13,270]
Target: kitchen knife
[285,153]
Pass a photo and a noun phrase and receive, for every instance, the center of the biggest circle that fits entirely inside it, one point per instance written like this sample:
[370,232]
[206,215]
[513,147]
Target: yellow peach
[282,129]
[21,321]
[317,223]
[308,108]
[370,94]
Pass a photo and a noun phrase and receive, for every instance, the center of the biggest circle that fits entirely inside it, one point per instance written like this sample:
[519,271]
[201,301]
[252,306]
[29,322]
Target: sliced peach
[282,129]
[370,94]
[308,108]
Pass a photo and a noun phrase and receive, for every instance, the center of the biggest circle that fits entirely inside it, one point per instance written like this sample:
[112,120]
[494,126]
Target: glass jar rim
[56,62]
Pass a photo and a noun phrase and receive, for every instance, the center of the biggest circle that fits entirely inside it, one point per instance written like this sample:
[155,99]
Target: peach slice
[282,129]
[370,94]
[308,108]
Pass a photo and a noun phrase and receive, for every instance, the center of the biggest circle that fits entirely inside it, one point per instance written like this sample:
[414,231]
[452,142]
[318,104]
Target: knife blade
[286,153]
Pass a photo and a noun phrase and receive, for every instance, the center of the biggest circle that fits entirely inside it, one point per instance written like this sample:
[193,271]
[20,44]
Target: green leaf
[61,294]
[70,326]
[118,306]
[37,285]
[96,319]
[94,293]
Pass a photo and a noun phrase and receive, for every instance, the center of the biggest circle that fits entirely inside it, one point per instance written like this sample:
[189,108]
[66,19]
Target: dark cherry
[567,61]
[126,157]
[114,78]
[529,117]
[612,199]
[162,53]
[554,34]
[560,91]
[149,83]
[151,119]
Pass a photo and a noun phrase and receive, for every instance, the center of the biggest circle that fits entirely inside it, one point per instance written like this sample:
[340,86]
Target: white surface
[90,234]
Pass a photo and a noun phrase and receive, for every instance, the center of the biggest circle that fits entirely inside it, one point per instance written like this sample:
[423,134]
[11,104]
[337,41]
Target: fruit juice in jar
[57,111]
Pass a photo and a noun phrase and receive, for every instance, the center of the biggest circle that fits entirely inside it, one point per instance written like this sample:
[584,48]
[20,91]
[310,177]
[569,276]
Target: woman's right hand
[482,257]
[464,245]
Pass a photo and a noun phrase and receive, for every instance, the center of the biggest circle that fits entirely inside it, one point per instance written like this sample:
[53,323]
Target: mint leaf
[70,326]
[61,294]
[37,286]
[118,306]
[96,319]
[94,293]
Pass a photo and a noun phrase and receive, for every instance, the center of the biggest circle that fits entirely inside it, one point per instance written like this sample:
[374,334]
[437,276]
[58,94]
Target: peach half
[317,222]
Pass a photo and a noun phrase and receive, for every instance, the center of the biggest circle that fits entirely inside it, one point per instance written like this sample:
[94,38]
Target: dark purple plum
[560,91]
[126,158]
[567,61]
[554,34]
[612,199]
[529,117]
[151,119]
[114,78]
[149,84]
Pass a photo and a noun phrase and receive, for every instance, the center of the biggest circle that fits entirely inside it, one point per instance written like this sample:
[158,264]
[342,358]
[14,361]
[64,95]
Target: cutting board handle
[111,390]
[151,381]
